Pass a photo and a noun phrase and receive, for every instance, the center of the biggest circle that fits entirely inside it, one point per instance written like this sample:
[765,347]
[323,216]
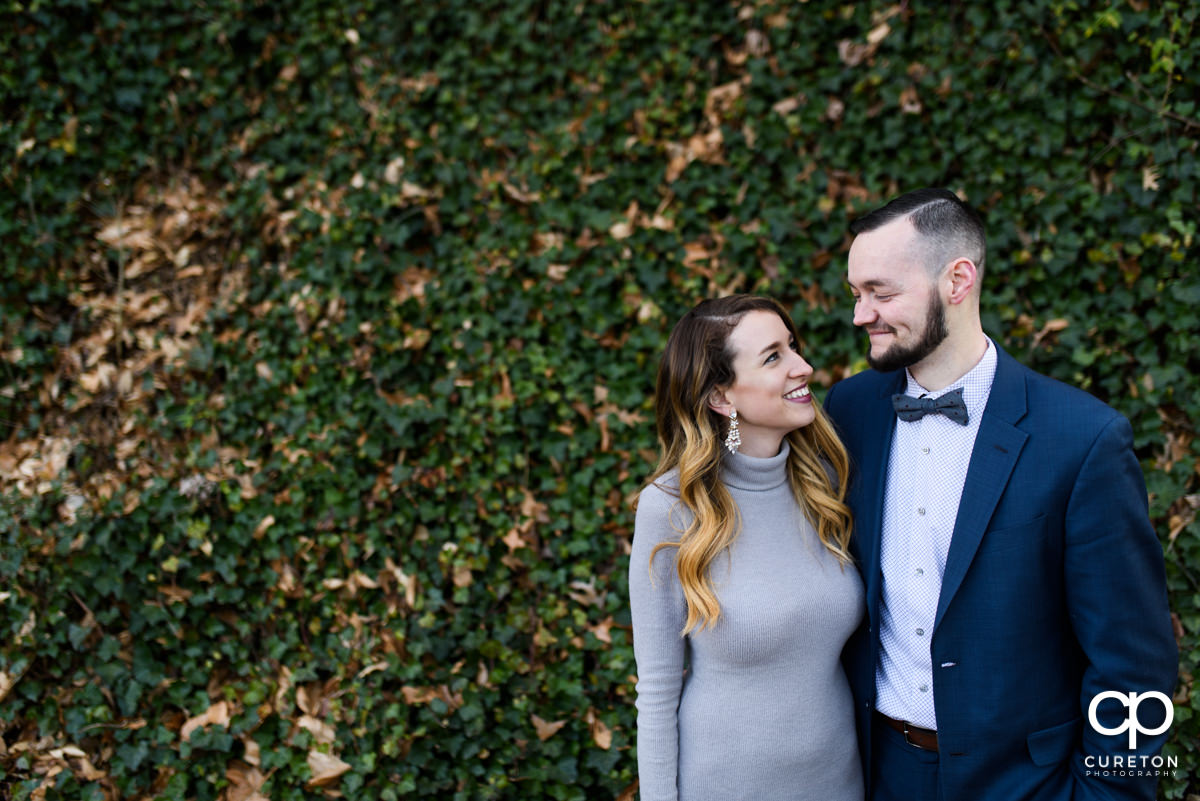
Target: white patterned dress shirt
[927,468]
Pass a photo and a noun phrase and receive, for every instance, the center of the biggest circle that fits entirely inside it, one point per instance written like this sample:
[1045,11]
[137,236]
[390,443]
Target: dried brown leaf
[678,158]
[878,33]
[835,109]
[659,223]
[418,695]
[1150,176]
[252,752]
[215,715]
[720,100]
[462,576]
[411,284]
[521,195]
[601,734]
[546,730]
[263,525]
[394,170]
[245,782]
[128,233]
[584,592]
[621,230]
[514,540]
[321,731]
[411,191]
[369,669]
[786,106]
[78,762]
[853,53]
[326,769]
[544,241]
[7,682]
[601,631]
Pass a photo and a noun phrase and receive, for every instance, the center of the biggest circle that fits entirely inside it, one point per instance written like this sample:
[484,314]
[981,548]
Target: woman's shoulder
[663,487]
[660,493]
[659,501]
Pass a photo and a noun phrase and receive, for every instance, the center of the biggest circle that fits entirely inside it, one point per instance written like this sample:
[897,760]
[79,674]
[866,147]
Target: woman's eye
[774,356]
[794,345]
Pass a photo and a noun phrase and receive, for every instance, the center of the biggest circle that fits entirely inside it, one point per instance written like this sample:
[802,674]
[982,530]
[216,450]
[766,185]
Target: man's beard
[899,355]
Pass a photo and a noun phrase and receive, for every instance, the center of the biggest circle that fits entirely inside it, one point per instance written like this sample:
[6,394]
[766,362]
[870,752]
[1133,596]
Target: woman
[741,586]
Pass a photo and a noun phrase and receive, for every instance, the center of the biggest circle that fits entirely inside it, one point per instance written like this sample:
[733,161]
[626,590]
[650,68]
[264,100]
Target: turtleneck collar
[757,475]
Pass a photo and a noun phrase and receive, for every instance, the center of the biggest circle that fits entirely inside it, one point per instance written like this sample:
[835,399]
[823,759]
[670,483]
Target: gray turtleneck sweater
[757,707]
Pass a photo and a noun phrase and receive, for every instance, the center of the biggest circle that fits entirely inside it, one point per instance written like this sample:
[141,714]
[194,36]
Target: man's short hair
[948,227]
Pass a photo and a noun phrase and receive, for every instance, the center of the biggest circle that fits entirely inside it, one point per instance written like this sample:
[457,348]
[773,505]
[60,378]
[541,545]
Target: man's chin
[891,359]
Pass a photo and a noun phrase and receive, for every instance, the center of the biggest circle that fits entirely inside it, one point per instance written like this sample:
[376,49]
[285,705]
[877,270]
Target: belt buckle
[910,742]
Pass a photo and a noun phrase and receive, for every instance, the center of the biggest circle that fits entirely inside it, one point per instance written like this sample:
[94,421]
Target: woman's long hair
[697,361]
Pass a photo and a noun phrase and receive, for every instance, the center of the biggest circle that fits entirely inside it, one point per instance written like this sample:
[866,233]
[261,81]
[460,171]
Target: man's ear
[719,403]
[962,275]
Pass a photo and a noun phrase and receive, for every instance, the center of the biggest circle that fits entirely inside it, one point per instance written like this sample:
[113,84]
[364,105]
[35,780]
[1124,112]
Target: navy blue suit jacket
[1053,591]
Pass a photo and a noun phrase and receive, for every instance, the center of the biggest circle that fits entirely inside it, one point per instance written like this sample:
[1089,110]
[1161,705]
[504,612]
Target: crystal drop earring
[734,438]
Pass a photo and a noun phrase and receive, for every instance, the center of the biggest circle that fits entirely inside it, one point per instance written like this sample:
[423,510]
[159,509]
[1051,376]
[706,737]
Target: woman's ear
[719,403]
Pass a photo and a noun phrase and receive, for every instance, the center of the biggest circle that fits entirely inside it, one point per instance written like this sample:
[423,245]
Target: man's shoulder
[1050,394]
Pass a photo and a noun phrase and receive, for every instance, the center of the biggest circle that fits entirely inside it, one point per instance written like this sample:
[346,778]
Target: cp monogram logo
[1132,724]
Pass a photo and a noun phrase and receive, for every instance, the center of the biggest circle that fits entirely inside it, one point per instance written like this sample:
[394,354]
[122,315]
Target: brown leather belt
[913,735]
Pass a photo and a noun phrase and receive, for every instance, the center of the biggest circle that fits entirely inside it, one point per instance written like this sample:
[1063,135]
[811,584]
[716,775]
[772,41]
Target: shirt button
[921,511]
[925,450]
[920,571]
[924,688]
[920,632]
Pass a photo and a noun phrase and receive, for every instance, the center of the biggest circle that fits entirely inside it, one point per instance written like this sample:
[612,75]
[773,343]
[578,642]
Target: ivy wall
[328,336]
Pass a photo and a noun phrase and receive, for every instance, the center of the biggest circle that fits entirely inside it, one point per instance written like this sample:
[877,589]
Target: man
[1001,526]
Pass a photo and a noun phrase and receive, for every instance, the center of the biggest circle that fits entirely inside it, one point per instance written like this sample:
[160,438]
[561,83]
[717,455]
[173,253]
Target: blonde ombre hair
[697,361]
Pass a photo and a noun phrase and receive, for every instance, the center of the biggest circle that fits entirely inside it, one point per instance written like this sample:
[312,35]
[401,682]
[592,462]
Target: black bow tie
[951,404]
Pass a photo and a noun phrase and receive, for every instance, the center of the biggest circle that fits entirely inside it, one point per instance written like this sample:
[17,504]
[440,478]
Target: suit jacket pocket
[1055,744]
[1021,536]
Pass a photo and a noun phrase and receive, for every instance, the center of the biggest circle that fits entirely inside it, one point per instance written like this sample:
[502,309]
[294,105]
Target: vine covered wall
[329,332]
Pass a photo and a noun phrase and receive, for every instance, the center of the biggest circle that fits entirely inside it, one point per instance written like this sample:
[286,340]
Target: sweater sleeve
[659,611]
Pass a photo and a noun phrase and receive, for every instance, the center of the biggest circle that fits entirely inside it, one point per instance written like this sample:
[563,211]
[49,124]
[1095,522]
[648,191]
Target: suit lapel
[869,521]
[997,447]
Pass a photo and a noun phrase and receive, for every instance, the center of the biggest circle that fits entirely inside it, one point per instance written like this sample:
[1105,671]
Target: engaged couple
[921,592]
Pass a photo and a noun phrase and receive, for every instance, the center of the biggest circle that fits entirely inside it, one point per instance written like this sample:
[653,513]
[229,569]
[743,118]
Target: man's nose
[864,313]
